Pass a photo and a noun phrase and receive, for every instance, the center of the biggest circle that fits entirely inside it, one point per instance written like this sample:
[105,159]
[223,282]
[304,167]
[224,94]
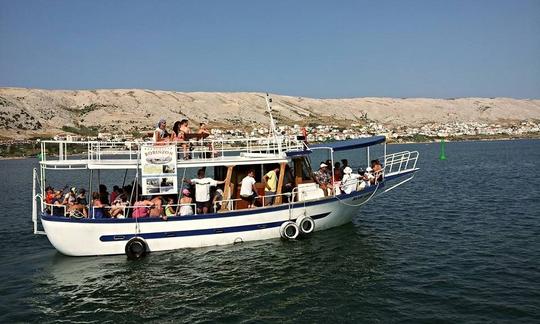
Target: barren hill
[34,112]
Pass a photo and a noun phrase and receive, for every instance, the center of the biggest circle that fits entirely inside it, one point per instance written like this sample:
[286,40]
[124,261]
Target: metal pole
[333,179]
[90,188]
[384,157]
[34,209]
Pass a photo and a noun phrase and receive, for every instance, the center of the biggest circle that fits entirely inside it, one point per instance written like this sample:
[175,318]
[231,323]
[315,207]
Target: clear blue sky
[325,49]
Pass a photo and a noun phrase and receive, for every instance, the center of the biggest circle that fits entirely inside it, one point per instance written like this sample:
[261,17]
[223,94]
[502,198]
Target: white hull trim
[88,237]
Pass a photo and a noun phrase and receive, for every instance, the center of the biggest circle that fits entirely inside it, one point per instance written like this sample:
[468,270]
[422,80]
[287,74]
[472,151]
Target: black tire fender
[136,248]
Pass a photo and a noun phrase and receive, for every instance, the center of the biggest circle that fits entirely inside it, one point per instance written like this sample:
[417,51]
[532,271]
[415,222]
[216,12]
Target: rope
[363,202]
[177,211]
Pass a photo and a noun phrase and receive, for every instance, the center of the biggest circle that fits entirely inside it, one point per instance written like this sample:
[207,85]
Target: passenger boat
[299,211]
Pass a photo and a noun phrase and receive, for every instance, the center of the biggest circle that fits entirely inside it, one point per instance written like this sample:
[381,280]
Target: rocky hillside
[27,113]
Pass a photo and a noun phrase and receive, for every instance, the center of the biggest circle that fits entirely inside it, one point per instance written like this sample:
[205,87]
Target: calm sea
[459,243]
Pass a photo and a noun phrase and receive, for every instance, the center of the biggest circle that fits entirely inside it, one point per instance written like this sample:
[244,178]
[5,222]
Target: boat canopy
[352,144]
[342,145]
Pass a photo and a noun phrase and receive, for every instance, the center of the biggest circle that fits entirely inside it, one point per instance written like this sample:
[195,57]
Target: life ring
[289,230]
[136,248]
[306,224]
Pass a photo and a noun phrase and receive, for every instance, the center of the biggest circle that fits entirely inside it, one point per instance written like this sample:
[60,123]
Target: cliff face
[33,112]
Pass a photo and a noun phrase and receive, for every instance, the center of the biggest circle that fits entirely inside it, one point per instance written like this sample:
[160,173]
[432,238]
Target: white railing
[96,151]
[400,162]
[123,209]
[231,204]
[51,206]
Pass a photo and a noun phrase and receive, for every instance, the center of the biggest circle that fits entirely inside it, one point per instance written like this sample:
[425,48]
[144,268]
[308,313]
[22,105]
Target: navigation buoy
[442,156]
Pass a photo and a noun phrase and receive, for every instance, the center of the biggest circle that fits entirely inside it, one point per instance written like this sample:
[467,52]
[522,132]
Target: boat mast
[272,123]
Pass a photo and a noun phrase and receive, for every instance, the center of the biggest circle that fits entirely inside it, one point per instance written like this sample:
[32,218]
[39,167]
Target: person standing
[270,180]
[202,190]
[248,191]
[185,203]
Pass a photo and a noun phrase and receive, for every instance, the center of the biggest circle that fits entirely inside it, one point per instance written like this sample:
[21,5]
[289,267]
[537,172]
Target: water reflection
[198,282]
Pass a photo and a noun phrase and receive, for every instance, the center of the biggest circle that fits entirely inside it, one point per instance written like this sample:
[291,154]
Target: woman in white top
[160,133]
[349,180]
[185,204]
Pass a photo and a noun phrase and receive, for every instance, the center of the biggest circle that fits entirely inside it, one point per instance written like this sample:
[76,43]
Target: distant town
[324,133]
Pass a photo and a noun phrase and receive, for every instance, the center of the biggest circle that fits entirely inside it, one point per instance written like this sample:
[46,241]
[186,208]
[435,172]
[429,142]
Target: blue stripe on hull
[207,231]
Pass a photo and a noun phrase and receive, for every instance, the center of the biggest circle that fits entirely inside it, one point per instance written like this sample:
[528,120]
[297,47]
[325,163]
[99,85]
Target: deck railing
[96,151]
[400,162]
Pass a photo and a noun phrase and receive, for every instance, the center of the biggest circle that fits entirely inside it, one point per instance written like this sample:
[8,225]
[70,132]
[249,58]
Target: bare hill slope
[35,112]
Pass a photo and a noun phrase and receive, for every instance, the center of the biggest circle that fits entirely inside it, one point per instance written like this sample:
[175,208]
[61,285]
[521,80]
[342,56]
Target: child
[169,207]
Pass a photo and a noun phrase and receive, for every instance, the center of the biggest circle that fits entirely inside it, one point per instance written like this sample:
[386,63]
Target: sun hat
[347,170]
[185,192]
[323,165]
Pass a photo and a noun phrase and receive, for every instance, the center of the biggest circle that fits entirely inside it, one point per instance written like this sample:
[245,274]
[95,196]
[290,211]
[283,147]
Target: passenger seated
[58,208]
[49,195]
[81,197]
[97,210]
[218,200]
[142,208]
[77,210]
[71,197]
[118,207]
[169,207]
[248,191]
[323,178]
[350,180]
[368,177]
[377,170]
[156,210]
[160,133]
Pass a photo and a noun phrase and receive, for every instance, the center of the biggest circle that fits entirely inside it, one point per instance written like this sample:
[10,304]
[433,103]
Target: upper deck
[195,153]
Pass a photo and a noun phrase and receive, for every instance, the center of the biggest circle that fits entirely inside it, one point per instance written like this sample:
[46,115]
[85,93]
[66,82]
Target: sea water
[458,243]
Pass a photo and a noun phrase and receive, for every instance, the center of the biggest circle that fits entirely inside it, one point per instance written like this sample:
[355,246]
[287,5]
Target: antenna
[272,123]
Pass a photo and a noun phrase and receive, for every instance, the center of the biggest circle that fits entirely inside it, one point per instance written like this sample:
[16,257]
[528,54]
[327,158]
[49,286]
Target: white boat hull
[109,236]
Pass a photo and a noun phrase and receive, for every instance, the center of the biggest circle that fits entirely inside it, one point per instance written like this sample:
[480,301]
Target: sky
[319,49]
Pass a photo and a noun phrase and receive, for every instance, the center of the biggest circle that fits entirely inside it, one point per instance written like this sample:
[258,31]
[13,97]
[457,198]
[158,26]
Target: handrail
[201,149]
[396,163]
[177,213]
[55,206]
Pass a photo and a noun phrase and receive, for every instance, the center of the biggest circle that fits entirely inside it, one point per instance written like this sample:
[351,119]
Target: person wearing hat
[185,203]
[323,178]
[218,199]
[368,178]
[349,181]
[71,197]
